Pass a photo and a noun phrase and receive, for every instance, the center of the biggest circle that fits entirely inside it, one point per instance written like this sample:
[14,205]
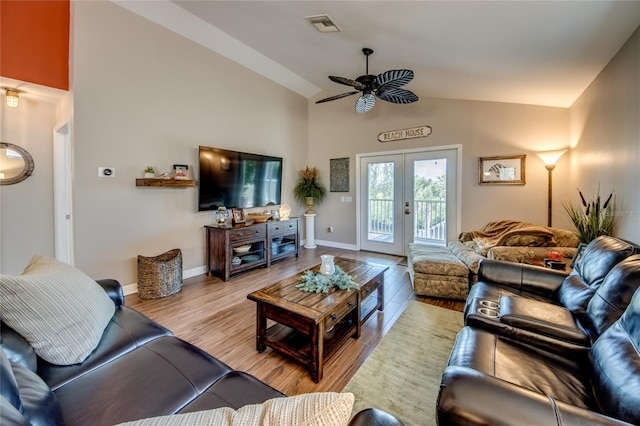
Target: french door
[408,197]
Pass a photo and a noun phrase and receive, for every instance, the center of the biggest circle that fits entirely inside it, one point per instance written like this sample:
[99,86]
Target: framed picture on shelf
[507,169]
[180,172]
[237,215]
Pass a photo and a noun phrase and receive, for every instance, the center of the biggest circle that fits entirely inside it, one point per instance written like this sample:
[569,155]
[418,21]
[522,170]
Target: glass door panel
[406,198]
[381,218]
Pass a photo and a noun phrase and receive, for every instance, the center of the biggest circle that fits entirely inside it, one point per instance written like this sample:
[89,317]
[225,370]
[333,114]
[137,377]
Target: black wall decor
[339,175]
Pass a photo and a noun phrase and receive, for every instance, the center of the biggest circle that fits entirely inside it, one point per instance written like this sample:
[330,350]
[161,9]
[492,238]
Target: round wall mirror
[16,164]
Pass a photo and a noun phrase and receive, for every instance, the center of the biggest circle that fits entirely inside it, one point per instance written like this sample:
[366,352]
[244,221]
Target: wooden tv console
[269,241]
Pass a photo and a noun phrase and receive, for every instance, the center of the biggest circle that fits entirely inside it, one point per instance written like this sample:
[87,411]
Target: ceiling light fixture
[13,98]
[323,23]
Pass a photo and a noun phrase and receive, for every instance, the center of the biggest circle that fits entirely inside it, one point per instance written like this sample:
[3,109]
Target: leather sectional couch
[539,347]
[138,370]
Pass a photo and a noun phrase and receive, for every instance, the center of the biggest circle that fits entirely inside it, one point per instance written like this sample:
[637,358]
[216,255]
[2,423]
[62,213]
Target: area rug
[402,375]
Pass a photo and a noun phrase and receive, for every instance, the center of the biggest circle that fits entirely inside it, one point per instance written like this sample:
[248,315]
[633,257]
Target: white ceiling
[532,52]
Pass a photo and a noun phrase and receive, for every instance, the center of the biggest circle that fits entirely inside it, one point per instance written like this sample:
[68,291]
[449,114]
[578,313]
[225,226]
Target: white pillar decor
[310,224]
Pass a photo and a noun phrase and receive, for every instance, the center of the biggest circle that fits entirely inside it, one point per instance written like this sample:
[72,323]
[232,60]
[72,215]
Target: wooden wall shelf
[168,183]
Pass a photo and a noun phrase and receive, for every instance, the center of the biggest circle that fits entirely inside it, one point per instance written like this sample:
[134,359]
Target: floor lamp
[550,158]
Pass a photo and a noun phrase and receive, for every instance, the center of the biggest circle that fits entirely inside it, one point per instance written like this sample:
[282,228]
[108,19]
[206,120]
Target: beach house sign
[397,135]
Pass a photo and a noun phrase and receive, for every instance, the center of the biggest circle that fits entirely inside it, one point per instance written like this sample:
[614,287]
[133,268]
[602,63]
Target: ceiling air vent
[323,23]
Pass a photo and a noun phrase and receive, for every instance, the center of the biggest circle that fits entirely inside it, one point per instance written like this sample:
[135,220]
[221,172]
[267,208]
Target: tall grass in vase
[592,218]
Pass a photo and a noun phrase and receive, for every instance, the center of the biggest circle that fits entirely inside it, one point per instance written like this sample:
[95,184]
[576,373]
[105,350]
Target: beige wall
[146,96]
[482,128]
[605,133]
[26,208]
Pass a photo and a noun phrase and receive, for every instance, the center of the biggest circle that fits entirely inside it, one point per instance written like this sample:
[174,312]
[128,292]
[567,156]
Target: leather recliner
[522,359]
[496,278]
[574,310]
[556,327]
[491,379]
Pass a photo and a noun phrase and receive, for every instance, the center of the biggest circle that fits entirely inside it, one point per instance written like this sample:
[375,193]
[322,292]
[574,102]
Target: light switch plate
[107,172]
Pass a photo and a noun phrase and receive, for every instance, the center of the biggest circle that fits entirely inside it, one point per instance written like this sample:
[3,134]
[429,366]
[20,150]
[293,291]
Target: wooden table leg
[317,349]
[381,293]
[356,317]
[261,328]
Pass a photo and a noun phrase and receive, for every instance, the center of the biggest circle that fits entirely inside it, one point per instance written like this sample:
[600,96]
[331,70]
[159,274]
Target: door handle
[407,209]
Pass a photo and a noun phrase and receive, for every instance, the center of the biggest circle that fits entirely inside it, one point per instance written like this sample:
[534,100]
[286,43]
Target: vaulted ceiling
[532,52]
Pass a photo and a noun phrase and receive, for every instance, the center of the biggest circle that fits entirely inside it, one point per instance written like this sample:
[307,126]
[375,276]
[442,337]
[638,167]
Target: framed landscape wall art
[507,169]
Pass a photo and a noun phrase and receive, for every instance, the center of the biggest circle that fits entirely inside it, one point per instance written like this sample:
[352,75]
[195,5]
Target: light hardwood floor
[217,317]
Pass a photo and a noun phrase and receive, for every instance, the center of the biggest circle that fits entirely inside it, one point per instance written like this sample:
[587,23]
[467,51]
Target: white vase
[327,267]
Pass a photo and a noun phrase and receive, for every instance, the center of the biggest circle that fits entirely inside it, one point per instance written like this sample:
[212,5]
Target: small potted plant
[149,172]
[309,190]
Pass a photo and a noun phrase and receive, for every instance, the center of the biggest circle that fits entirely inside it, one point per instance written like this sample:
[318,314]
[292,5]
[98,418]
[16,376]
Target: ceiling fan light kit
[385,86]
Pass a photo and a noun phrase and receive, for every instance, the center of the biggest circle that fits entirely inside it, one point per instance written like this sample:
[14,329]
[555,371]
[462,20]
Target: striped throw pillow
[57,308]
[311,409]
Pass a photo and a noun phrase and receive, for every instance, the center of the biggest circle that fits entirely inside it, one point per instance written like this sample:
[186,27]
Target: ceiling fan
[385,86]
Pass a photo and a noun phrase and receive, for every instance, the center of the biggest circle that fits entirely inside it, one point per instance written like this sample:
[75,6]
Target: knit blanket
[511,233]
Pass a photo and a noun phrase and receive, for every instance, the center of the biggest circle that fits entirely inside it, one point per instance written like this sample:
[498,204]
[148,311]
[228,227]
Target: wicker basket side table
[160,276]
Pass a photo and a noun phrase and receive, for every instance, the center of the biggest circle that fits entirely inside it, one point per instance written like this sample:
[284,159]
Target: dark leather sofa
[543,348]
[138,370]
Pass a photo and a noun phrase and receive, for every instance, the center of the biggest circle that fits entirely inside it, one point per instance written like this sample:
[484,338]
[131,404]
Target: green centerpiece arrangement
[315,282]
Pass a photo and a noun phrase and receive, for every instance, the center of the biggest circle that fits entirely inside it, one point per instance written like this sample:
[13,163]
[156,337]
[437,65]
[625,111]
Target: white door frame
[63,192]
[457,147]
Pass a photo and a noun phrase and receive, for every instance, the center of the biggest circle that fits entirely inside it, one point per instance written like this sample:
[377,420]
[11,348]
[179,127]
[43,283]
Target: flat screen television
[237,179]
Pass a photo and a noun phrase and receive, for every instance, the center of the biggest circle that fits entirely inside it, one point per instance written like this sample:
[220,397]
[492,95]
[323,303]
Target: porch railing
[429,219]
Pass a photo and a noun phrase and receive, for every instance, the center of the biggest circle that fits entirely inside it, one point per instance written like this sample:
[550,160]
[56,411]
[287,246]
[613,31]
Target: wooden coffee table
[311,327]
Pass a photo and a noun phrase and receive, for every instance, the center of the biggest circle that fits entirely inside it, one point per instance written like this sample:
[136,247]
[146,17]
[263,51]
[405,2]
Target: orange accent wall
[34,41]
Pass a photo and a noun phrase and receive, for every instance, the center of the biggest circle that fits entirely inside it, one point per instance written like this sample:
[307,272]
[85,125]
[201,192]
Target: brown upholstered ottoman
[437,272]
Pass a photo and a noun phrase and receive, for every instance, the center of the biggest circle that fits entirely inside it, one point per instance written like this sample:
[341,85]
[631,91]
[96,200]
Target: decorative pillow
[565,238]
[526,240]
[311,409]
[57,308]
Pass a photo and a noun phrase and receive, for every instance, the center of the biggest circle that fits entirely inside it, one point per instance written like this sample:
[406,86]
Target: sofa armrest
[469,397]
[526,278]
[114,290]
[467,255]
[374,417]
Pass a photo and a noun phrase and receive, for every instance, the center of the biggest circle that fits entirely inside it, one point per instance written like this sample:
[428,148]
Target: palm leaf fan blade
[333,98]
[397,96]
[394,78]
[347,82]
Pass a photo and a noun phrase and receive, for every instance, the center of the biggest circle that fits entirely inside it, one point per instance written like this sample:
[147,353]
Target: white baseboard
[337,245]
[133,288]
[331,244]
[130,289]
